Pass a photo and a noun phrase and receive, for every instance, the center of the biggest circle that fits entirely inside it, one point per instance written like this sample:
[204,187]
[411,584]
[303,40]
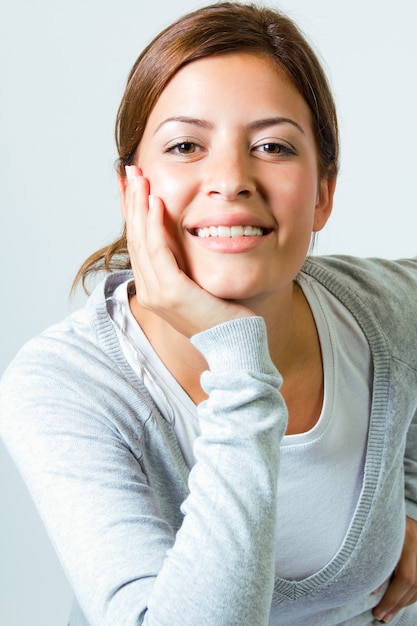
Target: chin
[226,290]
[236,279]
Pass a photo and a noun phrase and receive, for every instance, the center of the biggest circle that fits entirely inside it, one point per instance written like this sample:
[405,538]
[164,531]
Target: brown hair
[213,30]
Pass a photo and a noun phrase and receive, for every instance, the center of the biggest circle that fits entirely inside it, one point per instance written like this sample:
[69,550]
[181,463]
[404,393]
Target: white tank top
[321,470]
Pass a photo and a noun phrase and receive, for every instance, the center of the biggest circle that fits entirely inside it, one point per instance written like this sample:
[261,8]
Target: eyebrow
[275,121]
[256,125]
[185,120]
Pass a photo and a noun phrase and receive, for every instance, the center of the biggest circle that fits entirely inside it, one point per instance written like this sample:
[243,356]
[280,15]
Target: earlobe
[324,203]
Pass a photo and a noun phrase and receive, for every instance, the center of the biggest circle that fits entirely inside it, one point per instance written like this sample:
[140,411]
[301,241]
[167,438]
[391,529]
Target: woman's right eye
[184,148]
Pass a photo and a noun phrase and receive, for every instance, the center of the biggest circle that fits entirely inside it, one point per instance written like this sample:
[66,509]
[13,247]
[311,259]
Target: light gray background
[63,68]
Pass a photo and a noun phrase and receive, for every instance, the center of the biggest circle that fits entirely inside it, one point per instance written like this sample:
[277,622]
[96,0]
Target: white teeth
[229,231]
[237,231]
[223,231]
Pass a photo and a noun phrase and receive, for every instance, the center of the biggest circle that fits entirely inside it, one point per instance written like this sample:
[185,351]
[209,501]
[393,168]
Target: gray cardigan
[145,541]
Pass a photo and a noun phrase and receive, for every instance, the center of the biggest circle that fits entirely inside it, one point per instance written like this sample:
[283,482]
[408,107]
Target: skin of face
[230,143]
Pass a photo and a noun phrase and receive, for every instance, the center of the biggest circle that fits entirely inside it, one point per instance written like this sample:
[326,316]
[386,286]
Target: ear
[324,203]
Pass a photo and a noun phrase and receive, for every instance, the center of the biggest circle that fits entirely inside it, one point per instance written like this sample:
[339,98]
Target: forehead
[236,83]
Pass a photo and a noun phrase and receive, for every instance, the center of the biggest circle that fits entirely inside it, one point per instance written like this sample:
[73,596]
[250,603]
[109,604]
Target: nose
[229,175]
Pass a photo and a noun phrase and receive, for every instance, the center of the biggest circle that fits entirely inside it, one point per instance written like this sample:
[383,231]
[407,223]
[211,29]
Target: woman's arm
[68,431]
[68,427]
[402,590]
[224,554]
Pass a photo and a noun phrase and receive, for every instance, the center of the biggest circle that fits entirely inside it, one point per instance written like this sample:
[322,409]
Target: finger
[123,180]
[137,209]
[137,196]
[378,589]
[391,602]
[400,593]
[132,171]
[157,275]
[160,245]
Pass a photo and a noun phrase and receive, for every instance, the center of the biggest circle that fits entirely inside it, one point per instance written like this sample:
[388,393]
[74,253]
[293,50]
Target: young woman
[226,434]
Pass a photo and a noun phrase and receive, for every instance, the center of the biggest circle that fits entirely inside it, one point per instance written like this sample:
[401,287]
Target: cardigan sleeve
[410,470]
[124,560]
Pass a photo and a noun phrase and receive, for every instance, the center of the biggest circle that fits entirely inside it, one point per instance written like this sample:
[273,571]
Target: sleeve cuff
[239,344]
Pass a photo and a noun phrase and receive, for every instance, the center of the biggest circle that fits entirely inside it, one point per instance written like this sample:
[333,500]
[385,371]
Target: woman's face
[229,148]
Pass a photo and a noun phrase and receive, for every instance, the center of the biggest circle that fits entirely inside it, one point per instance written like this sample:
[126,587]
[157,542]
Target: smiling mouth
[230,231]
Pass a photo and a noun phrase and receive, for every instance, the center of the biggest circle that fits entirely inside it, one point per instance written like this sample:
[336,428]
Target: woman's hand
[402,590]
[161,286]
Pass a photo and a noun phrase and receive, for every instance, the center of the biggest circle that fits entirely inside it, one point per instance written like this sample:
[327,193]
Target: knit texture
[145,541]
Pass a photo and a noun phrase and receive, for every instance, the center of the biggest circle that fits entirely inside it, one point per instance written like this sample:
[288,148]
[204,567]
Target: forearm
[222,563]
[104,481]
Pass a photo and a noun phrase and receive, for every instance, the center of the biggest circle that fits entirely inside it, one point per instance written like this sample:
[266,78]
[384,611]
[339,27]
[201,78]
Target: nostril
[231,194]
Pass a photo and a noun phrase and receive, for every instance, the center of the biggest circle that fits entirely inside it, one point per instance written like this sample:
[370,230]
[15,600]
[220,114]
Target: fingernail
[130,175]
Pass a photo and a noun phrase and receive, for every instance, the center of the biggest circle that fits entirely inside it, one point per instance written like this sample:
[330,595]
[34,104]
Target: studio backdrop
[63,70]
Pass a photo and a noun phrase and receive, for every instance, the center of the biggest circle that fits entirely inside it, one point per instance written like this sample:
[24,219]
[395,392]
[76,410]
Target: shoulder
[85,337]
[75,363]
[381,294]
[369,279]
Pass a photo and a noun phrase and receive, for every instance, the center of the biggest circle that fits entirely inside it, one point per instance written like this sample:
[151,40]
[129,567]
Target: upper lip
[230,219]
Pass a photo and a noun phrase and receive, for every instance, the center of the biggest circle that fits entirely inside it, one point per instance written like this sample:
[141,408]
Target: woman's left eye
[274,148]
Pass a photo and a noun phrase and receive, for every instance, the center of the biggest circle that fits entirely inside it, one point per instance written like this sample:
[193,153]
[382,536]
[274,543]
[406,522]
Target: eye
[274,148]
[271,148]
[185,148]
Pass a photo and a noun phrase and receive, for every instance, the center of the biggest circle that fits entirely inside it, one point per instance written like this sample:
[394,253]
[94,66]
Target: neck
[168,343]
[280,313]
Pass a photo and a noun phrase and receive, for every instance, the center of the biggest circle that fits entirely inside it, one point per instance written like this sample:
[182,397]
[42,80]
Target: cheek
[171,187]
[167,183]
[295,197]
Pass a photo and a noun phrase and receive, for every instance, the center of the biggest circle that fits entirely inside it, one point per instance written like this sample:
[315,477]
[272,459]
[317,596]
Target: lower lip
[231,245]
